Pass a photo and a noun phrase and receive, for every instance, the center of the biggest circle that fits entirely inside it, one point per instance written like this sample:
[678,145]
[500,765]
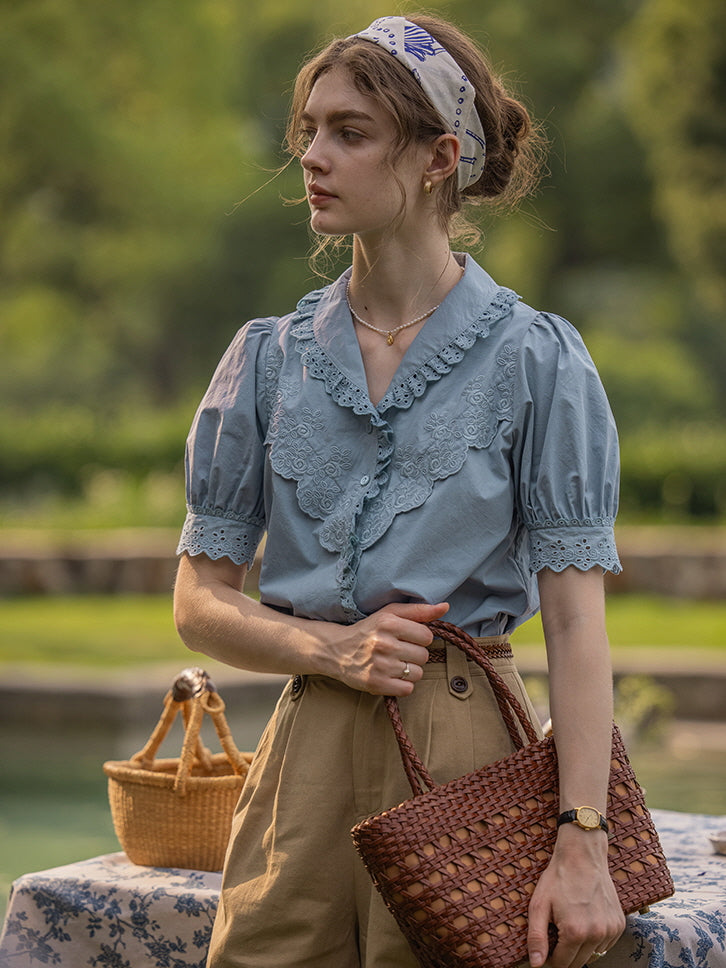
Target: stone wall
[682,564]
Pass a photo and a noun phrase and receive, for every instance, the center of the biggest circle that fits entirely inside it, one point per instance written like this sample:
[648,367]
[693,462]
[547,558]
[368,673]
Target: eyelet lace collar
[323,332]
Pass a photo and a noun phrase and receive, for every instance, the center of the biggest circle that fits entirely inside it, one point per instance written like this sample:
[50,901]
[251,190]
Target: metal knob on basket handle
[190,683]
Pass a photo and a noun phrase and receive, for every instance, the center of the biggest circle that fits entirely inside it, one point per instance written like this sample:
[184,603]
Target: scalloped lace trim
[299,451]
[444,446]
[220,537]
[319,365]
[403,394]
[586,545]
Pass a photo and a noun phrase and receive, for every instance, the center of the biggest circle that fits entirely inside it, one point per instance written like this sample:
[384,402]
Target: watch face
[588,817]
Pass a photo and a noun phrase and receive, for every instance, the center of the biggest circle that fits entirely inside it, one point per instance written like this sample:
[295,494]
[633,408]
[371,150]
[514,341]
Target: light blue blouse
[493,454]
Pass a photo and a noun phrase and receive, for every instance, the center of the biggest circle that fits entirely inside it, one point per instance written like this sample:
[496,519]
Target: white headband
[446,85]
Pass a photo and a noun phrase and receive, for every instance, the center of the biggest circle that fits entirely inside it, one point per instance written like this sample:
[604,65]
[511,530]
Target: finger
[394,687]
[410,623]
[419,612]
[402,679]
[601,949]
[413,654]
[537,935]
[592,960]
[572,955]
[408,670]
[406,673]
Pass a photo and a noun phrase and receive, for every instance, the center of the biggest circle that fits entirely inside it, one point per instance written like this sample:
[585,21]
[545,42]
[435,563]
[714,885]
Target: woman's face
[350,186]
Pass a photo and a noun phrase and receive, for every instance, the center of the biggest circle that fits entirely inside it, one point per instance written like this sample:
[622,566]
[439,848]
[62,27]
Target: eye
[350,135]
[305,139]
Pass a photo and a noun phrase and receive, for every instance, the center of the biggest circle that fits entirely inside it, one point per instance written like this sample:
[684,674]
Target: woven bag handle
[511,709]
[202,755]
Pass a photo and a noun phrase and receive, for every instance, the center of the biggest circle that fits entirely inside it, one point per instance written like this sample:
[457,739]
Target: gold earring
[428,187]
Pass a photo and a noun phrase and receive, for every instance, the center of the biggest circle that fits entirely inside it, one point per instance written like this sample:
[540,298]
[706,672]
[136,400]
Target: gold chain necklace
[390,334]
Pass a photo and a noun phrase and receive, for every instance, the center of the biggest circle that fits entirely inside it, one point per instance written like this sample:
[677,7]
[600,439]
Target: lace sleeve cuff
[221,536]
[586,544]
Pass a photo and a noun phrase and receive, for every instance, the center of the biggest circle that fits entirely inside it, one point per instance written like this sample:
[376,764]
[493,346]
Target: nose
[314,158]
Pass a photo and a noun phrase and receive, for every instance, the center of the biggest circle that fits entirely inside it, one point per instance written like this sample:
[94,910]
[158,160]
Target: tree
[678,109]
[121,154]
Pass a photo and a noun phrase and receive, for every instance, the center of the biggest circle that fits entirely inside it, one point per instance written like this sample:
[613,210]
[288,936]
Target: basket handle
[511,709]
[146,756]
[194,694]
[189,683]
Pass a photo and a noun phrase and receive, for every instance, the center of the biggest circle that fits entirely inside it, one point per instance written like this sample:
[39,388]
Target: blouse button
[365,480]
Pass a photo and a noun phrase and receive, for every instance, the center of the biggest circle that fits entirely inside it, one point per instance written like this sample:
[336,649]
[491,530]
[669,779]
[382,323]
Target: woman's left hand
[577,894]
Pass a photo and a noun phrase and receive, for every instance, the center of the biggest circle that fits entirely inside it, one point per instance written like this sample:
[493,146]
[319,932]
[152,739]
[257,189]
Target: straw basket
[178,812]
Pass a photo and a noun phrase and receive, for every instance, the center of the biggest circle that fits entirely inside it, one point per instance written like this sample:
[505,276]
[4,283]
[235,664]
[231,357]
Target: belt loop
[457,673]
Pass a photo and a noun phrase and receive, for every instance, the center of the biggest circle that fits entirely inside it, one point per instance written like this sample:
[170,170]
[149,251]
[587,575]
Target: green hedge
[680,471]
[60,449]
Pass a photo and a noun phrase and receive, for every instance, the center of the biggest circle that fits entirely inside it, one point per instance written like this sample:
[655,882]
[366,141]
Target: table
[109,913]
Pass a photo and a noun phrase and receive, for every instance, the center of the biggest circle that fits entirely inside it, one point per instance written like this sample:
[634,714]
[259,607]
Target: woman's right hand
[214,616]
[373,654]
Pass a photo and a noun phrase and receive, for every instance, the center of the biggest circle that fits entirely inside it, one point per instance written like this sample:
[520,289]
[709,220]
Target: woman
[415,442]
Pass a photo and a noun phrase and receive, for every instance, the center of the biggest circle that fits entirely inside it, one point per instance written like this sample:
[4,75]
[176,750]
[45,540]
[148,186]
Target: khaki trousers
[294,892]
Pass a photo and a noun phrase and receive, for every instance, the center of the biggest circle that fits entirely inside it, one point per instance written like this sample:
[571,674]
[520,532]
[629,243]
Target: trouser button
[459,684]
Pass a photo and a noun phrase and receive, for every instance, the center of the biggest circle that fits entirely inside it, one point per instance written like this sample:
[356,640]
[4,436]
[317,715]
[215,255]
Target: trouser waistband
[495,646]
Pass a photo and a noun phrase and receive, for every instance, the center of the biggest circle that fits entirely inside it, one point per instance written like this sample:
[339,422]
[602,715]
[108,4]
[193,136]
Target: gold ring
[598,954]
[406,672]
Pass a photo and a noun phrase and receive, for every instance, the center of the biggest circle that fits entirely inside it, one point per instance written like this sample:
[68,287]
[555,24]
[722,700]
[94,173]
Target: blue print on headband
[420,43]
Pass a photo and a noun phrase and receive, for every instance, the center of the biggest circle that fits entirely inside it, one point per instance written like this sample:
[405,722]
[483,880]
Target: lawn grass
[104,631]
[128,630]
[653,621]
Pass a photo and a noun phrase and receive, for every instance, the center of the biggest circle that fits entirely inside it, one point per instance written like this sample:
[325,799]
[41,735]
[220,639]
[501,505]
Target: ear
[445,154]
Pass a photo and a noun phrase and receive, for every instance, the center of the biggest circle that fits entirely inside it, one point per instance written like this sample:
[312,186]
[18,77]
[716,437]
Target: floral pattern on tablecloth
[687,930]
[108,913]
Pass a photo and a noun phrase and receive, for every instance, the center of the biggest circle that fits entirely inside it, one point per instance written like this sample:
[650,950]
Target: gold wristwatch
[586,817]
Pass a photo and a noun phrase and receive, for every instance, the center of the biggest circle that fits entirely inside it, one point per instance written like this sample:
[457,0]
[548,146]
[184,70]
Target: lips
[318,195]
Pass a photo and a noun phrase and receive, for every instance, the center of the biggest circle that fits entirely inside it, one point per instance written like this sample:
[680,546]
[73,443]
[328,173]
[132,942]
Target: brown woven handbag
[457,864]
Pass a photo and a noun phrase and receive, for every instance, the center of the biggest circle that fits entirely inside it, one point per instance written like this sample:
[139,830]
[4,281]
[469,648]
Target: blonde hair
[514,143]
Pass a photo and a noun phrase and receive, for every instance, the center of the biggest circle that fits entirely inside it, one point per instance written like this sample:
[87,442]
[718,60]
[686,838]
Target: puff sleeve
[225,454]
[567,458]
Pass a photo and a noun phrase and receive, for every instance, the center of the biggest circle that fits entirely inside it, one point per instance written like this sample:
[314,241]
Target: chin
[323,226]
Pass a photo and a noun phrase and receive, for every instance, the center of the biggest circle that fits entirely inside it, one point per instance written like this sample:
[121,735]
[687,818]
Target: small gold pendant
[390,338]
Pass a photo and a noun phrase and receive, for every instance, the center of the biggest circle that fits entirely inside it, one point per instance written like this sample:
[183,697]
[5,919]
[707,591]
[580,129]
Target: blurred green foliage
[129,134]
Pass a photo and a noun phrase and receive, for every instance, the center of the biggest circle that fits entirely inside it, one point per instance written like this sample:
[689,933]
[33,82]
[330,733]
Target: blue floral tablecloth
[109,913]
[687,930]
